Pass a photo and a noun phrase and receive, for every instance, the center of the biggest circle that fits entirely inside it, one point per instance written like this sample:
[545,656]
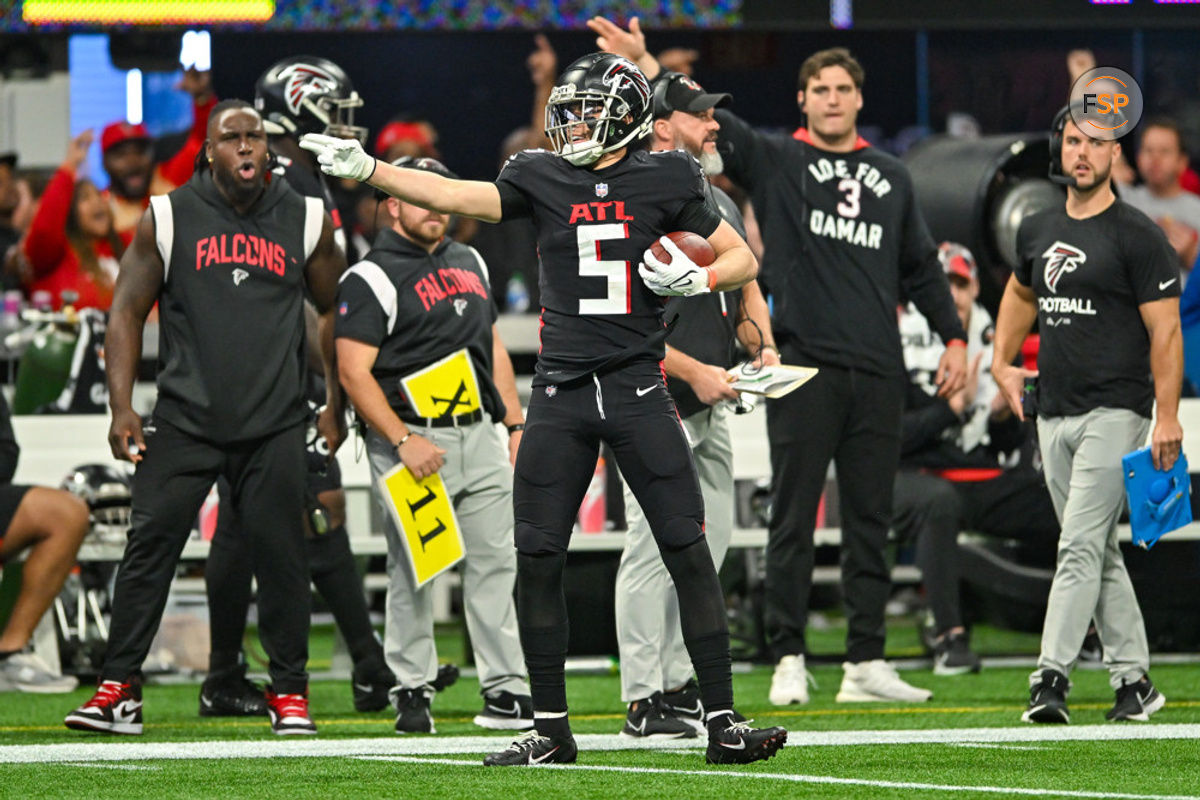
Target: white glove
[341,158]
[680,278]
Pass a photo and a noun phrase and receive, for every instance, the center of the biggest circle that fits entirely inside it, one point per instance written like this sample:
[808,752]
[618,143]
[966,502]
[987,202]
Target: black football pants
[266,477]
[853,418]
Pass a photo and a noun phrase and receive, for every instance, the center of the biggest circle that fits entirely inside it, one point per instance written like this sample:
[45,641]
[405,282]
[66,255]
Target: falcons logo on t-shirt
[1061,258]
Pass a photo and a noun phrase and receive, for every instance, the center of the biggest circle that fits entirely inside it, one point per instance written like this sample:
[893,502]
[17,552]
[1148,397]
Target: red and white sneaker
[115,708]
[289,714]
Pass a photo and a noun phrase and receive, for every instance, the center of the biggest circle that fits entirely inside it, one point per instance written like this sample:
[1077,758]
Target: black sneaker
[649,719]
[1048,699]
[232,694]
[1136,701]
[371,681]
[115,708]
[738,743]
[447,676]
[412,711]
[953,656]
[533,749]
[685,704]
[505,711]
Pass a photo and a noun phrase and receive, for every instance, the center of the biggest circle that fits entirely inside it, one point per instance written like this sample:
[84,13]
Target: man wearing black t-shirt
[414,314]
[656,673]
[598,204]
[841,235]
[1102,283]
[228,258]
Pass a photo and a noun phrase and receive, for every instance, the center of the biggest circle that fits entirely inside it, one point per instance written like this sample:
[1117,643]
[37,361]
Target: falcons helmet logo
[623,73]
[301,80]
[1061,258]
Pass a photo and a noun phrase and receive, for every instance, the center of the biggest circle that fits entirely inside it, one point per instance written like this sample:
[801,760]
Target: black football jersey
[231,315]
[593,225]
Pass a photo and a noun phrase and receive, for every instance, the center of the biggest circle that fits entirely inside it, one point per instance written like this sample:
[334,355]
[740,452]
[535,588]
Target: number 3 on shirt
[592,266]
[849,206]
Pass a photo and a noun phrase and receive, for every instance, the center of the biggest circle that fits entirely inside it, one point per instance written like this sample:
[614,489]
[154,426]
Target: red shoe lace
[288,705]
[107,693]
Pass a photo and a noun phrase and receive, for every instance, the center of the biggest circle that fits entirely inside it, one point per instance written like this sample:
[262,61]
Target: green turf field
[967,742]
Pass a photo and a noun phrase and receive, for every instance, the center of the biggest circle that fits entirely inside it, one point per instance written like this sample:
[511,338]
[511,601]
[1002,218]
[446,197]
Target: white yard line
[810,779]
[127,749]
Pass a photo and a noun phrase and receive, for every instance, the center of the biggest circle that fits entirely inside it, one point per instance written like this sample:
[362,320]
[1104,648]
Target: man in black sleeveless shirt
[1102,282]
[598,202]
[328,105]
[227,258]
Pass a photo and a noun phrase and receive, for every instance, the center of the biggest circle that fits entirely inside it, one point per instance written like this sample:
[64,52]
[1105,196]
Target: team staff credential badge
[425,517]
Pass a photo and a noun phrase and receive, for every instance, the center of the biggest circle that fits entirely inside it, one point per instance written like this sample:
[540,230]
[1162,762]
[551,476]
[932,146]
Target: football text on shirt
[845,226]
[447,282]
[241,248]
[1062,259]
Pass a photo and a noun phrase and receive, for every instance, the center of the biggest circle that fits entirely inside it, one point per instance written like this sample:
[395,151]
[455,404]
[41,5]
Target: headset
[658,98]
[1056,146]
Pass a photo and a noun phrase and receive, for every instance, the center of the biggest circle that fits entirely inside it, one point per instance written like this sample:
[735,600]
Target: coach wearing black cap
[656,671]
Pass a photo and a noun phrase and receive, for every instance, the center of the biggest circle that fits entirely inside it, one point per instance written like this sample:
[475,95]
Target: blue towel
[1159,502]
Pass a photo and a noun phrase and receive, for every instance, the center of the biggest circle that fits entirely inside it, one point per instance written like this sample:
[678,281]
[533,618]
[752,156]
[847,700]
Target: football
[693,245]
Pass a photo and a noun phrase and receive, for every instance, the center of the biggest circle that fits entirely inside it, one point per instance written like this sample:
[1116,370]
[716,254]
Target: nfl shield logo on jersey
[551,391]
[601,190]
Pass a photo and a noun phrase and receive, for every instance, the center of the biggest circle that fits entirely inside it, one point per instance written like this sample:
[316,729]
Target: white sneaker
[26,672]
[790,682]
[877,681]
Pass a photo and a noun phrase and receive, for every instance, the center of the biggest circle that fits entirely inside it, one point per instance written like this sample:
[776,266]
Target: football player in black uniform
[842,234]
[296,95]
[599,201]
[228,258]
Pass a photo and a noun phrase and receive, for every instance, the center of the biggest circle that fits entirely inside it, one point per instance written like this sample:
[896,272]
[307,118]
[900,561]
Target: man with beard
[228,258]
[842,237]
[656,673]
[295,95]
[416,314]
[128,157]
[1094,270]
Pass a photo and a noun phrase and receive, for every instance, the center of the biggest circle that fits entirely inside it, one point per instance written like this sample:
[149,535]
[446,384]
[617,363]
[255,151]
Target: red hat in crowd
[120,132]
[957,260]
[395,132]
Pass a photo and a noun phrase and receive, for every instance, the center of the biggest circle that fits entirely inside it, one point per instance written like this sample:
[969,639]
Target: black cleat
[412,711]
[447,676]
[505,711]
[1136,701]
[952,656]
[649,719]
[740,744]
[371,681]
[685,704]
[232,694]
[532,750]
[1048,699]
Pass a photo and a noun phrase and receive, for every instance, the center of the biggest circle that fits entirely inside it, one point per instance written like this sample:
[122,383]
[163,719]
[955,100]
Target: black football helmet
[308,94]
[107,492]
[601,103]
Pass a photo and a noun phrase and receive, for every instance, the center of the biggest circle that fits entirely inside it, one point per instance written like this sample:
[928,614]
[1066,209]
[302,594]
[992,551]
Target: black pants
[852,418]
[629,409]
[931,511]
[267,481]
[331,566]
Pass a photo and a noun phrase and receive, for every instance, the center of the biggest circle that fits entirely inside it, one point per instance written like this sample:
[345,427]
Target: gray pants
[653,656]
[479,480]
[1082,461]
